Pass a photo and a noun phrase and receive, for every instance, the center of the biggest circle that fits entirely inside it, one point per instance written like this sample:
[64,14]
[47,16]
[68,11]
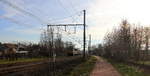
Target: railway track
[31,67]
[21,68]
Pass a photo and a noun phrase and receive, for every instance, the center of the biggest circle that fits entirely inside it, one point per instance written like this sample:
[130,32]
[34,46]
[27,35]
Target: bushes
[125,43]
[85,68]
[127,70]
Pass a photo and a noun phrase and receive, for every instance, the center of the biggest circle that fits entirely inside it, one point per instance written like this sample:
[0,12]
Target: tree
[147,37]
[117,44]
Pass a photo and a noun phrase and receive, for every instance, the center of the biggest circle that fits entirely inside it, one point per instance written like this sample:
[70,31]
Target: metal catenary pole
[84,30]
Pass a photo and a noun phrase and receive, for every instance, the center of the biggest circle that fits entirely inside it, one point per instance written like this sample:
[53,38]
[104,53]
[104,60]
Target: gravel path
[103,68]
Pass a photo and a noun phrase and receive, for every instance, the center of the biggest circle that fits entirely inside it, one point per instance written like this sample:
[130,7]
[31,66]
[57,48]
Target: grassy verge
[127,70]
[144,62]
[20,60]
[84,68]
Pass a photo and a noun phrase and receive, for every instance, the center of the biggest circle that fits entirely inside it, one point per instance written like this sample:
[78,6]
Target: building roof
[10,45]
[21,52]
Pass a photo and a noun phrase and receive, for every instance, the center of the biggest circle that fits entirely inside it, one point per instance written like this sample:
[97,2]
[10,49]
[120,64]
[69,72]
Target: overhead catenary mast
[84,30]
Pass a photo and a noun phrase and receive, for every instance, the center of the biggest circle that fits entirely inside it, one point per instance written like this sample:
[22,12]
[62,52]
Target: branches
[124,43]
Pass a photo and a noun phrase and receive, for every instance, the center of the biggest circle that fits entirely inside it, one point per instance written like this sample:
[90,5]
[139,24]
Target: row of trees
[47,47]
[51,44]
[127,42]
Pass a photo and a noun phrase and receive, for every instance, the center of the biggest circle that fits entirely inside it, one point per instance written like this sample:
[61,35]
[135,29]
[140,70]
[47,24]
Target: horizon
[102,16]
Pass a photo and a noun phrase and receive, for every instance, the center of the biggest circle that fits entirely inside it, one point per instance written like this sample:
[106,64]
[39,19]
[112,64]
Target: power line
[68,33]
[23,11]
[61,4]
[70,38]
[84,29]
[74,39]
[71,4]
[14,21]
[67,17]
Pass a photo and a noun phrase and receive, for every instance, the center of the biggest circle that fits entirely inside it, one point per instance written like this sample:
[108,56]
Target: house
[22,54]
[73,52]
[11,51]
[8,51]
[1,49]
[76,52]
[21,51]
[144,52]
[9,48]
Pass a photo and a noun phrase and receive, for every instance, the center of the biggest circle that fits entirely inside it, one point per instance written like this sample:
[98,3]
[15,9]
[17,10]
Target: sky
[24,20]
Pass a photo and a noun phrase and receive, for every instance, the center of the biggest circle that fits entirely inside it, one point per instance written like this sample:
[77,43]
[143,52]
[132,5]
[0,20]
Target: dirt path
[103,68]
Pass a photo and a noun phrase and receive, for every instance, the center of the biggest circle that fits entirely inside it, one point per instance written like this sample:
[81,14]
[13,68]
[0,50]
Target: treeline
[51,43]
[48,46]
[128,42]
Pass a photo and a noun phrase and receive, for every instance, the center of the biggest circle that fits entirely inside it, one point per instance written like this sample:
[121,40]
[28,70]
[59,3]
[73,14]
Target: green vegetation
[144,62]
[127,70]
[85,68]
[20,60]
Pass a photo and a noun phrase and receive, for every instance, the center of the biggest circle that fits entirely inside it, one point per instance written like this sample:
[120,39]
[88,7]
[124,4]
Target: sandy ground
[103,68]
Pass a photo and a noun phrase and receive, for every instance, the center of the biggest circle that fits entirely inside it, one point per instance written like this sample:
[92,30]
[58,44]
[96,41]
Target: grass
[85,68]
[127,70]
[20,60]
[144,62]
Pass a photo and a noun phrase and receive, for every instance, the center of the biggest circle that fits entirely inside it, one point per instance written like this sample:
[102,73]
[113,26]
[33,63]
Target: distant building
[8,49]
[73,52]
[21,51]
[76,52]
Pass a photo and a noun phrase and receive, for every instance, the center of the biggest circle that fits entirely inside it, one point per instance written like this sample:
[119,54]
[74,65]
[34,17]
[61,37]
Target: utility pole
[89,46]
[84,29]
[84,32]
[51,31]
[64,25]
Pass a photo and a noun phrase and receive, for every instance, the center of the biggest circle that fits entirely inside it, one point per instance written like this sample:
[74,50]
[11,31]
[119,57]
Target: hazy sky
[102,16]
